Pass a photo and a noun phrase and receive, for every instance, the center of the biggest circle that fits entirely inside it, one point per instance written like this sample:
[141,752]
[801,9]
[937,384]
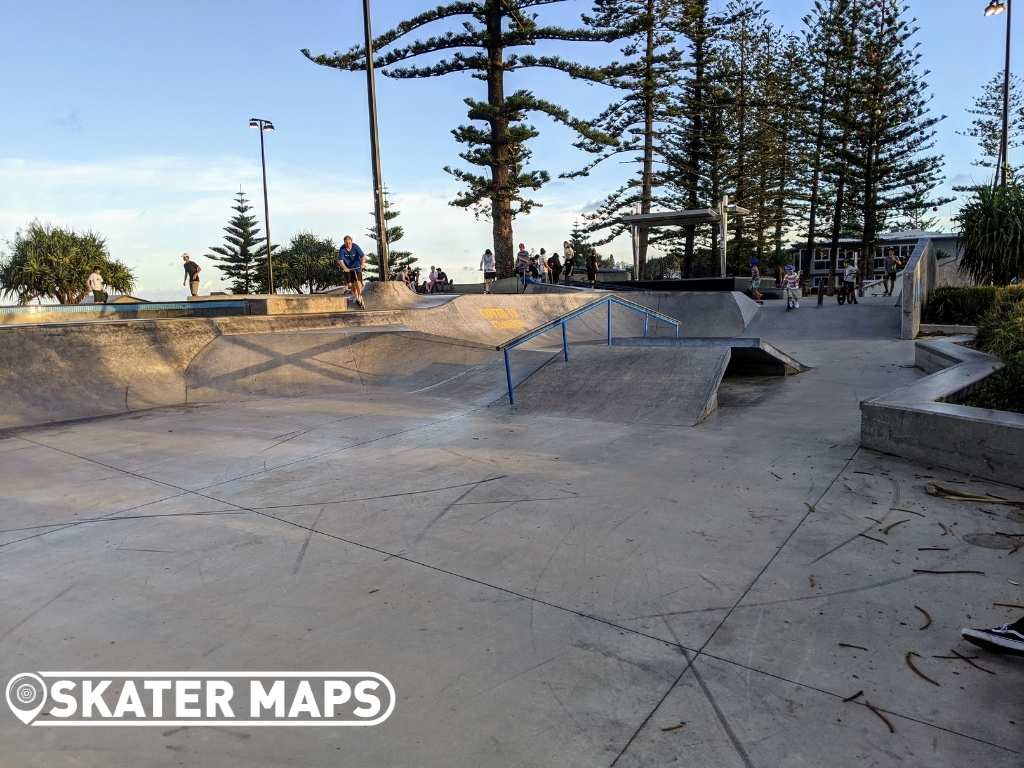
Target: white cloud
[152,209]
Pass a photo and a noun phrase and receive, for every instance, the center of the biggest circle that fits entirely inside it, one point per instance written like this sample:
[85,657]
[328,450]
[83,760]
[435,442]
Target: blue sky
[132,119]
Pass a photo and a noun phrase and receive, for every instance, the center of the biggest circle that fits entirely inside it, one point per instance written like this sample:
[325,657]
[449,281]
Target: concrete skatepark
[649,560]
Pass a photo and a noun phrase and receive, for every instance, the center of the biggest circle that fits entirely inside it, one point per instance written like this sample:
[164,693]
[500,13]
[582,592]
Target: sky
[131,119]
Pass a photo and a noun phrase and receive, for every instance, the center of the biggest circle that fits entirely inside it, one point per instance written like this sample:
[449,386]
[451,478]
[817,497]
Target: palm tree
[49,262]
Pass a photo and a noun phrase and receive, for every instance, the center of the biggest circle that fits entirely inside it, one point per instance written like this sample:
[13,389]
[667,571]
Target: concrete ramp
[750,357]
[394,360]
[716,314]
[671,386]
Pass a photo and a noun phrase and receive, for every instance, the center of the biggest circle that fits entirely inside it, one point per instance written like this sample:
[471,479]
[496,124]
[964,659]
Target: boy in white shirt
[487,265]
[96,285]
[850,282]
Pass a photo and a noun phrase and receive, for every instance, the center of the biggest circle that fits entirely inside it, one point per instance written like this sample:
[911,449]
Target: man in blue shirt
[352,259]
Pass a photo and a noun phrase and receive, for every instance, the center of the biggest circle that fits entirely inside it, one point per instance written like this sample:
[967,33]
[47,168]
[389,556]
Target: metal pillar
[723,223]
[383,252]
[1005,139]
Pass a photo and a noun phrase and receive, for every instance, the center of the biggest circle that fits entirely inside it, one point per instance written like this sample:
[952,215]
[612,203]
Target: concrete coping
[925,421]
[956,372]
[938,329]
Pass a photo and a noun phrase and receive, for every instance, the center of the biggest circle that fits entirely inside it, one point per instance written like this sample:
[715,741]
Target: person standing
[554,265]
[542,259]
[790,283]
[755,281]
[192,271]
[522,265]
[489,268]
[593,267]
[352,259]
[892,266]
[569,260]
[850,283]
[96,285]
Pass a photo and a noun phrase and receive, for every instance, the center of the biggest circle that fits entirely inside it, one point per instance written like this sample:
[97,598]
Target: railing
[561,321]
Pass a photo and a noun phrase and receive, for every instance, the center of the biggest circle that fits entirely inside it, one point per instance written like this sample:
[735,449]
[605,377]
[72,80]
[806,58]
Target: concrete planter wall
[926,423]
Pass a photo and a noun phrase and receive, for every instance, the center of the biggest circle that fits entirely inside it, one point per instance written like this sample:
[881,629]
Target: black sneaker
[1005,639]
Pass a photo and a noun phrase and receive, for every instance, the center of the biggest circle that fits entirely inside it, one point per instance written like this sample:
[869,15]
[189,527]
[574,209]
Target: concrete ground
[541,590]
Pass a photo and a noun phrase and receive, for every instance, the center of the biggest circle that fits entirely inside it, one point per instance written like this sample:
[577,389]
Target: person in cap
[192,271]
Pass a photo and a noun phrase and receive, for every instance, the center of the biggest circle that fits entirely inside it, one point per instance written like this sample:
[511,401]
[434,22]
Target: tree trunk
[648,177]
[501,203]
[696,128]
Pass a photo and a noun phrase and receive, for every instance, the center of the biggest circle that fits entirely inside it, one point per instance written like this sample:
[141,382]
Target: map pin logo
[26,696]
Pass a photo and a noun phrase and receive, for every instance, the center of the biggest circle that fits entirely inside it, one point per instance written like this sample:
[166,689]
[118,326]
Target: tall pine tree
[242,260]
[397,260]
[647,79]
[489,35]
[987,125]
[895,132]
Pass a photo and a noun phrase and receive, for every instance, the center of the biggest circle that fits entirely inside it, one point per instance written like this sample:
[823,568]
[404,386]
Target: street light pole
[264,126]
[1006,101]
[996,7]
[383,253]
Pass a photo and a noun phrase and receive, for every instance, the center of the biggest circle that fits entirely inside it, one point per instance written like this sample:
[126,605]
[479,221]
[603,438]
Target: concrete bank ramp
[716,314]
[60,372]
[749,357]
[671,386]
[395,360]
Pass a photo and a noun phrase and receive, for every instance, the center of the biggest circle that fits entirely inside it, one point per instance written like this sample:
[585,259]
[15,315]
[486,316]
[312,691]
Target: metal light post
[383,253]
[263,126]
[996,7]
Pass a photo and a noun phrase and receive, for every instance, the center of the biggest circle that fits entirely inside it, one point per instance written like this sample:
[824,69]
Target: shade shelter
[720,216]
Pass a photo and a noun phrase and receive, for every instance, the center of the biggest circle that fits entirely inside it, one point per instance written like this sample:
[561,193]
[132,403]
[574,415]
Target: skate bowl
[65,371]
[391,360]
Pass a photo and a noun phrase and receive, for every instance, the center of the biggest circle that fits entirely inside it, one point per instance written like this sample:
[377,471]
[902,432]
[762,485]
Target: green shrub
[949,305]
[1001,333]
[1001,330]
[1003,391]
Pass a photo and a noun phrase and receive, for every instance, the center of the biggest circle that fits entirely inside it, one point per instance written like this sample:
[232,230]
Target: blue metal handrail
[561,321]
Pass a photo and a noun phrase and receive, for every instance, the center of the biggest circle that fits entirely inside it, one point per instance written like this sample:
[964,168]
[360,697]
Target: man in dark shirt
[352,259]
[593,267]
[192,271]
[555,265]
[522,264]
[892,266]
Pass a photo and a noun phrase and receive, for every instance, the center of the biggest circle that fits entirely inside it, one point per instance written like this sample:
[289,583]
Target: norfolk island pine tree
[243,258]
[397,260]
[491,31]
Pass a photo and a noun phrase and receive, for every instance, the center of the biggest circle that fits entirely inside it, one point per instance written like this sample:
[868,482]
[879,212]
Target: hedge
[1001,333]
[949,305]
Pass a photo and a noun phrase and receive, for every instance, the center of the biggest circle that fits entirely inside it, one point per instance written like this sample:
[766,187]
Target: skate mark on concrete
[305,543]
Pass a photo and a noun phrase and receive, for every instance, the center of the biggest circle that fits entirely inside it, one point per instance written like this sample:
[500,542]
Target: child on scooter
[790,283]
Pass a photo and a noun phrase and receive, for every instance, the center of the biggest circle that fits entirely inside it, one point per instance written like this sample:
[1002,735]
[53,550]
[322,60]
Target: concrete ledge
[931,329]
[924,421]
